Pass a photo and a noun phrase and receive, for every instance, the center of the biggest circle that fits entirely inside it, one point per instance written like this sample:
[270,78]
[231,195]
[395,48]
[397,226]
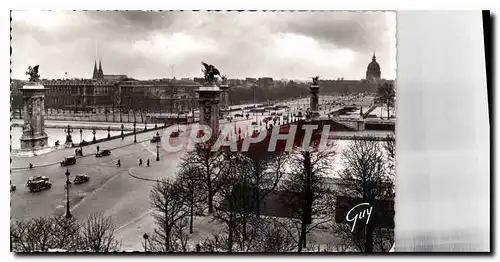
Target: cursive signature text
[359,211]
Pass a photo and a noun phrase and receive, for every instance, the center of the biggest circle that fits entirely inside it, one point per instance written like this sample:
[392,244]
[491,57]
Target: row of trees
[96,233]
[271,203]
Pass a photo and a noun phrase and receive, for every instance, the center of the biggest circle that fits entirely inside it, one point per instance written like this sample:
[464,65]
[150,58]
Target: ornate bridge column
[34,136]
[314,97]
[209,99]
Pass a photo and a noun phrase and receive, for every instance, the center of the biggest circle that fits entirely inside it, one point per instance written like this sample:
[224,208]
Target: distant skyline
[148,45]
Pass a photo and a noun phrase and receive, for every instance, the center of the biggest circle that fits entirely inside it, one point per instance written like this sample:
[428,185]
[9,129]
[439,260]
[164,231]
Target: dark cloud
[146,44]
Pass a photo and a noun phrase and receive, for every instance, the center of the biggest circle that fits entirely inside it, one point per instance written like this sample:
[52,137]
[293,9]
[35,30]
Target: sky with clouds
[146,45]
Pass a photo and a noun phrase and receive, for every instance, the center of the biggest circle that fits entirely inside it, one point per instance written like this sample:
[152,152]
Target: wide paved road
[110,189]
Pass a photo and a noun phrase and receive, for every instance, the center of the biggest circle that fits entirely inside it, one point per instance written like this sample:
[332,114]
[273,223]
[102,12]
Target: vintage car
[105,152]
[174,134]
[156,139]
[238,115]
[80,179]
[37,178]
[39,185]
[12,188]
[68,161]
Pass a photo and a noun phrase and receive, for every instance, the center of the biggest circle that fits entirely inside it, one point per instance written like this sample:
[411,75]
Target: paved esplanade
[111,190]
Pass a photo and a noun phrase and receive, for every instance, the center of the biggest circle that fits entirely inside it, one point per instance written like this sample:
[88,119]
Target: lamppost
[157,147]
[93,133]
[122,131]
[81,140]
[135,139]
[145,236]
[68,213]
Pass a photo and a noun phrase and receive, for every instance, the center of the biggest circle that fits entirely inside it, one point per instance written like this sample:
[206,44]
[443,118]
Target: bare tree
[366,177]
[44,233]
[33,235]
[166,200]
[181,235]
[212,165]
[188,179]
[227,207]
[98,234]
[268,169]
[390,148]
[386,95]
[305,180]
[66,233]
[273,238]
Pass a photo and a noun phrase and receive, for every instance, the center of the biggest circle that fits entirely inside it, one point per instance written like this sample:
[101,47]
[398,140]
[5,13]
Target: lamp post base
[68,215]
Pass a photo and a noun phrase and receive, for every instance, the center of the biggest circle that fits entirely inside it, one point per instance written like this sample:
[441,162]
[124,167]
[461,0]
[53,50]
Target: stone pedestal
[34,136]
[314,98]
[209,102]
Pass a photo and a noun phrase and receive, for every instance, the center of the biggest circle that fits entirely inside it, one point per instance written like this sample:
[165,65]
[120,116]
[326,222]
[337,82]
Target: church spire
[101,74]
[95,75]
[374,58]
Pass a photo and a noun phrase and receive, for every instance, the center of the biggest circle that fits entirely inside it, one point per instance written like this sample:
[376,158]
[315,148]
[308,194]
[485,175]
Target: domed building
[373,70]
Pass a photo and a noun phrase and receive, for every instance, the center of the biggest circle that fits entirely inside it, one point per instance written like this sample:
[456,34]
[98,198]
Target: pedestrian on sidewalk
[97,149]
[118,164]
[140,161]
[147,163]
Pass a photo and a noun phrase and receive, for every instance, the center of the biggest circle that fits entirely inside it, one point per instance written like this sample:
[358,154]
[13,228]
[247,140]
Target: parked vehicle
[80,179]
[238,115]
[39,185]
[174,134]
[156,139]
[12,188]
[68,161]
[105,152]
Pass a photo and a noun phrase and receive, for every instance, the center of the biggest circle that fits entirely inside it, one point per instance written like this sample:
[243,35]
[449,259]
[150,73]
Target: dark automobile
[39,185]
[80,179]
[155,139]
[238,115]
[174,134]
[105,152]
[37,178]
[12,188]
[69,160]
